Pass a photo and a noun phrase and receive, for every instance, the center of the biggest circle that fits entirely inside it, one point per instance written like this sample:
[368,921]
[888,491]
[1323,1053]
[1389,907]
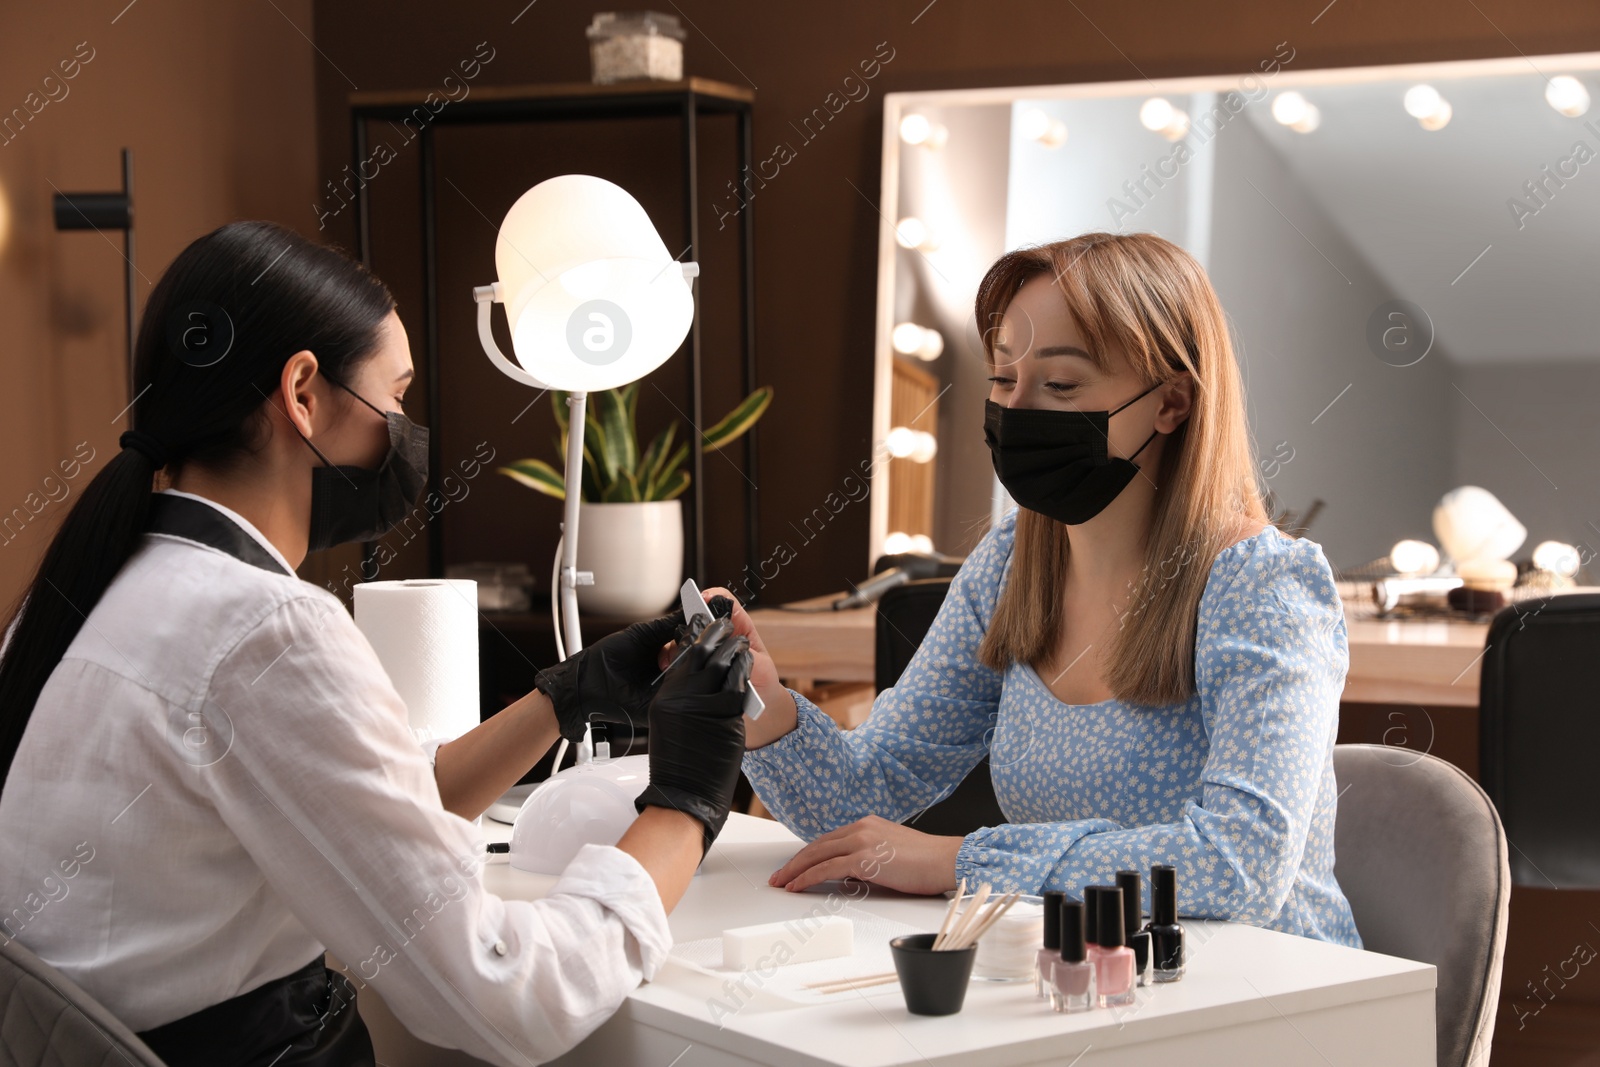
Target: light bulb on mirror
[1313,119]
[1422,100]
[909,339]
[912,232]
[1439,119]
[1567,95]
[918,129]
[1413,559]
[896,543]
[1557,558]
[901,442]
[1158,115]
[1036,125]
[921,543]
[1428,106]
[1155,113]
[924,447]
[1289,108]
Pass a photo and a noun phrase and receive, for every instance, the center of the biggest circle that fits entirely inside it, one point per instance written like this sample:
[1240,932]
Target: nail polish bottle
[1051,952]
[1113,961]
[1091,896]
[1166,936]
[1136,937]
[1072,985]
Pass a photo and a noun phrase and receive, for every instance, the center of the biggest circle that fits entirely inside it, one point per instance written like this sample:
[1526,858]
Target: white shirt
[218,781]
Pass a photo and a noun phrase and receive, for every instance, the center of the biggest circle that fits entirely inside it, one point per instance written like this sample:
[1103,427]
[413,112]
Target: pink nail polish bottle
[1091,915]
[1051,952]
[1113,961]
[1072,977]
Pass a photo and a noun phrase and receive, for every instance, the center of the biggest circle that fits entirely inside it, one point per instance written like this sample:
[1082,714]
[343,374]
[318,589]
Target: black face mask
[1055,462]
[362,503]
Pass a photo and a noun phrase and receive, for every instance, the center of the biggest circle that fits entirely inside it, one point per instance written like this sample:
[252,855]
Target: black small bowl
[934,981]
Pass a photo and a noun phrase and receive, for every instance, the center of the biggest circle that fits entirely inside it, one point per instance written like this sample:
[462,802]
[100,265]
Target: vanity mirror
[1407,256]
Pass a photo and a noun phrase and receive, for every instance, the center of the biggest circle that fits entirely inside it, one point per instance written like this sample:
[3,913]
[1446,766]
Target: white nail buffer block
[796,941]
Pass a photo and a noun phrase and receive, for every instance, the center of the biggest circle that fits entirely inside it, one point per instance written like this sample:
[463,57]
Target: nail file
[695,605]
[796,941]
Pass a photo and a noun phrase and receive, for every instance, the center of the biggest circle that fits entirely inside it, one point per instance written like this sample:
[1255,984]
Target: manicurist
[208,779]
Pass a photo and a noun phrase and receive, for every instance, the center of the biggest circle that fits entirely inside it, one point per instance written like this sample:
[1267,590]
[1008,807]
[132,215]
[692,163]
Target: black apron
[304,1019]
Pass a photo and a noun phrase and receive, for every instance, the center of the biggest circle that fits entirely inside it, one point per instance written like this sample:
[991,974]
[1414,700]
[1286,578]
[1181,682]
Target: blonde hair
[1147,298]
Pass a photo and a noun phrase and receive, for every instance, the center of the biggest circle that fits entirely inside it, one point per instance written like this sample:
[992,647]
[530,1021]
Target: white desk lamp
[594,301]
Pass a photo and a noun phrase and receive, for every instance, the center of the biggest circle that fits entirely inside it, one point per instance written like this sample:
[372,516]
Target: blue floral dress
[1234,787]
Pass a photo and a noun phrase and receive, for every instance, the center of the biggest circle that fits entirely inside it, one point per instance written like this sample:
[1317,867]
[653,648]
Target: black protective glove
[697,730]
[616,673]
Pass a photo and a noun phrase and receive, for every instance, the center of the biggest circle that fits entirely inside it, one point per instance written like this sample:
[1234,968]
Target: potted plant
[630,528]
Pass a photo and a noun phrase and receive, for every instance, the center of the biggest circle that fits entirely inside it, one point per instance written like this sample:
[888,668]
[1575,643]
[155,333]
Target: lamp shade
[1472,524]
[593,298]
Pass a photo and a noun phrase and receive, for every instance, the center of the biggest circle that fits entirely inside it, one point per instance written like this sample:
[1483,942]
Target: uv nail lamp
[588,804]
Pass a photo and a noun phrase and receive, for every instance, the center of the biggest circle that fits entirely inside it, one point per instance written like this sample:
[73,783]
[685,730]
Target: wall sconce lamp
[101,212]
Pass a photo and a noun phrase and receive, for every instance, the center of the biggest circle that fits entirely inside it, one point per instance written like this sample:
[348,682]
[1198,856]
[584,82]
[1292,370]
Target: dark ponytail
[217,330]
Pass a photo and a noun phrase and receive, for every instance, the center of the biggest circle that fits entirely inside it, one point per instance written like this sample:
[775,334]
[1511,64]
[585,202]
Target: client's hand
[697,729]
[874,850]
[614,673]
[763,672]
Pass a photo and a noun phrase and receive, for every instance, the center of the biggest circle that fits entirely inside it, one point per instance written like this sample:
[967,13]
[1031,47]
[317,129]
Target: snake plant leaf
[669,469]
[536,474]
[652,459]
[558,403]
[625,490]
[618,447]
[734,425]
[630,401]
[674,486]
[613,469]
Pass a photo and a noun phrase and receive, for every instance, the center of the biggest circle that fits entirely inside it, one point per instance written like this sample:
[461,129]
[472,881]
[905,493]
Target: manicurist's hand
[781,715]
[697,730]
[614,674]
[878,851]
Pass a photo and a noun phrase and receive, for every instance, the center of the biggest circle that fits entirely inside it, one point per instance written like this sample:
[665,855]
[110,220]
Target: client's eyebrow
[407,376]
[1052,350]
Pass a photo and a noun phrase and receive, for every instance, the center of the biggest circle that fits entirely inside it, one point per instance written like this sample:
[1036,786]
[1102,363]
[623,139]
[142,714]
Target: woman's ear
[1177,400]
[296,397]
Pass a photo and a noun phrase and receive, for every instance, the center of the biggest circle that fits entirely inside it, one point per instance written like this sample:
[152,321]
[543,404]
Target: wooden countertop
[1425,662]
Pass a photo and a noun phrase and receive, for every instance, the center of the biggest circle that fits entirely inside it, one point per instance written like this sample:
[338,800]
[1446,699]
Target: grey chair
[47,1021]
[1421,856]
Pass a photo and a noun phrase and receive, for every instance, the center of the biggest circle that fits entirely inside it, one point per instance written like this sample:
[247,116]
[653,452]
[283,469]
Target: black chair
[1539,729]
[904,615]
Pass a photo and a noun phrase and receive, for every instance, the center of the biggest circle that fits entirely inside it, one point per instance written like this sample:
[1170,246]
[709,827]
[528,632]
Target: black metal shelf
[685,100]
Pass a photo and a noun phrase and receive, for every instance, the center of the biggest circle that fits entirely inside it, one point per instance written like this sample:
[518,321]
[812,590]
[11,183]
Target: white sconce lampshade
[1413,558]
[593,298]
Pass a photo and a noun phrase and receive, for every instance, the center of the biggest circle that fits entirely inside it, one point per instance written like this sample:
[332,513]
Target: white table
[1251,996]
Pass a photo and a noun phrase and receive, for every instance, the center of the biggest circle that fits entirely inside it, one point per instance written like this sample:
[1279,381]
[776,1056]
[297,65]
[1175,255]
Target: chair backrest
[1421,856]
[904,615]
[1539,726]
[47,1020]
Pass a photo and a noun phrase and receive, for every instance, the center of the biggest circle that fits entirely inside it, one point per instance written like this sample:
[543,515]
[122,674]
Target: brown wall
[816,234]
[215,99]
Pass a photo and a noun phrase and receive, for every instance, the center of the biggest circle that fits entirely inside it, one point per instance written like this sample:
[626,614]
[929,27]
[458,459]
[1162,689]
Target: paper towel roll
[425,632]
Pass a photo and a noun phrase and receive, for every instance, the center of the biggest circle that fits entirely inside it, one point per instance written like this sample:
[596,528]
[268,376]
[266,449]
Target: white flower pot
[636,554]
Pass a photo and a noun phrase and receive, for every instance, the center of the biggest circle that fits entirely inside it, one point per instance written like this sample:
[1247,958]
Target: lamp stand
[571,577]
